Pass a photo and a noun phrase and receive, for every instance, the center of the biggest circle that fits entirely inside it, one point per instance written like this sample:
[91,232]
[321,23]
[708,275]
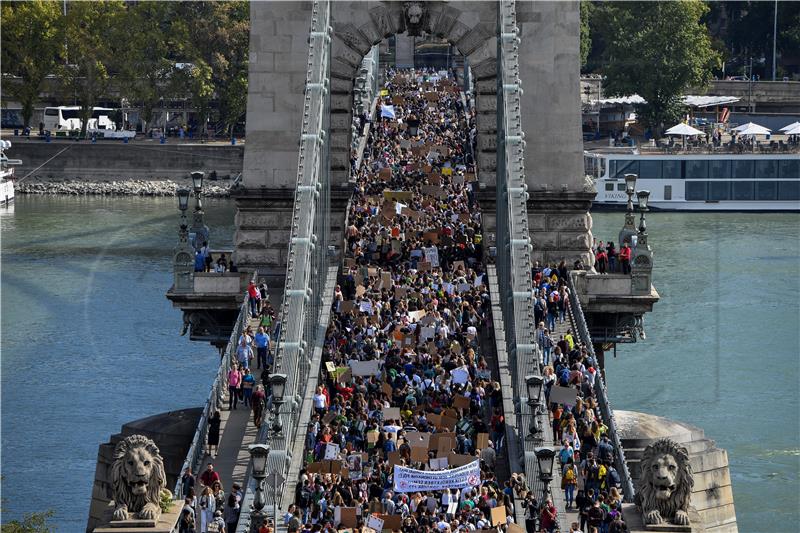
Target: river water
[89,342]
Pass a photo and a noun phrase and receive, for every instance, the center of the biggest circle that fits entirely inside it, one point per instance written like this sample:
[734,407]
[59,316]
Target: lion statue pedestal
[138,481]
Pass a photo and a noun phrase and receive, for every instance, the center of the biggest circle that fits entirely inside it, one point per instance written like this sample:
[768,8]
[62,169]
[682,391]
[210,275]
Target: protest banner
[376,523]
[331,451]
[563,395]
[411,480]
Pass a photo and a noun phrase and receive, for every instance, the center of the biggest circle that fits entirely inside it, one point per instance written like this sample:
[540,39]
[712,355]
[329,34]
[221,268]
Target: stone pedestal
[560,226]
[712,495]
[165,523]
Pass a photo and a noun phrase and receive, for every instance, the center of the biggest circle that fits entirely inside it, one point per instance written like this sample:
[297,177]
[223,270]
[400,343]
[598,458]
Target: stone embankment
[117,188]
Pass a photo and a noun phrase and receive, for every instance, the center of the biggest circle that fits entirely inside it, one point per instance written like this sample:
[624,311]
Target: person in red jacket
[549,517]
[625,258]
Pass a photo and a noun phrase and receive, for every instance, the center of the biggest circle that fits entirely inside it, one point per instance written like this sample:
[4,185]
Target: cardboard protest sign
[563,395]
[427,333]
[394,458]
[349,262]
[424,266]
[417,439]
[498,515]
[445,443]
[347,306]
[459,265]
[376,522]
[435,419]
[317,467]
[457,459]
[449,422]
[329,417]
[398,100]
[360,291]
[348,515]
[398,196]
[432,236]
[460,375]
[385,174]
[419,455]
[387,389]
[415,316]
[372,437]
[482,441]
[331,451]
[392,522]
[386,280]
[470,177]
[438,463]
[330,367]
[400,292]
[447,171]
[365,368]
[461,402]
[391,413]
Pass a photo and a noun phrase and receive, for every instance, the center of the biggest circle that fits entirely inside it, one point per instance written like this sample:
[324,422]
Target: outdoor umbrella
[792,126]
[683,130]
[793,131]
[752,129]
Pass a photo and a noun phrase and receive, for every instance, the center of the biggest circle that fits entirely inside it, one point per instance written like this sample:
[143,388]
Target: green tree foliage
[30,37]
[658,50]
[32,523]
[95,41]
[586,38]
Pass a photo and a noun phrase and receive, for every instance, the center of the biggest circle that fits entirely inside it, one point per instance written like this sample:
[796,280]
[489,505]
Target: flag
[387,111]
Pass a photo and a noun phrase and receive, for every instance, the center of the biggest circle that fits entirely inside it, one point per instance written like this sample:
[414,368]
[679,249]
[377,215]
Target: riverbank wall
[118,187]
[99,162]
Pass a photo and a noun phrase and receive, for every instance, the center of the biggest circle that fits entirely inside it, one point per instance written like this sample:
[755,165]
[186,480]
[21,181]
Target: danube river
[89,342]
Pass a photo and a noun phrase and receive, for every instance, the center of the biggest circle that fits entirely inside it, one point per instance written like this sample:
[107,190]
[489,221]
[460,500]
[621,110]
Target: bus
[68,118]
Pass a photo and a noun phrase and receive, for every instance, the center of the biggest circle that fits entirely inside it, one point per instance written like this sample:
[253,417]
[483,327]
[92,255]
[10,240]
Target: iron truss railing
[307,261]
[513,239]
[603,403]
[215,399]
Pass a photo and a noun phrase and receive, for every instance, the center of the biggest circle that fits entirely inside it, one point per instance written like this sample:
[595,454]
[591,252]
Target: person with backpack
[595,516]
[569,480]
[612,477]
[583,503]
[592,476]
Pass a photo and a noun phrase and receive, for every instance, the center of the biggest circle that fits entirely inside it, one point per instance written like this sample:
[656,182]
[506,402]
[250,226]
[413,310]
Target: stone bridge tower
[559,199]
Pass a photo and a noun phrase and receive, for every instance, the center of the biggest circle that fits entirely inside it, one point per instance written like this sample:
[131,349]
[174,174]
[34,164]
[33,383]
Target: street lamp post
[534,385]
[642,257]
[629,229]
[259,453]
[199,229]
[545,457]
[277,385]
[183,255]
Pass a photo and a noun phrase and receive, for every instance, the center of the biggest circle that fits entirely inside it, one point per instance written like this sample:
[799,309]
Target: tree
[586,38]
[30,39]
[32,523]
[658,50]
[145,74]
[95,40]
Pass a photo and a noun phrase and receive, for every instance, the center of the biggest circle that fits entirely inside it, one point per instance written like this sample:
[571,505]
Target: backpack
[594,473]
[563,377]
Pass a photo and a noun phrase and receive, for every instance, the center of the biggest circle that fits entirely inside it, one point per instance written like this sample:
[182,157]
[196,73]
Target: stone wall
[116,160]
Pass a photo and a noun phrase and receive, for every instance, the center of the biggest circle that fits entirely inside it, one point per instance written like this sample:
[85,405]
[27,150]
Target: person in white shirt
[320,402]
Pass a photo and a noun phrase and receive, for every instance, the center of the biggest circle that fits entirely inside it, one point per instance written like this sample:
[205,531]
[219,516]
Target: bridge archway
[469,26]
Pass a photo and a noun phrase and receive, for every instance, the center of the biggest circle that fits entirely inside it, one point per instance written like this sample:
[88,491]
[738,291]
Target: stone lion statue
[137,478]
[666,483]
[414,13]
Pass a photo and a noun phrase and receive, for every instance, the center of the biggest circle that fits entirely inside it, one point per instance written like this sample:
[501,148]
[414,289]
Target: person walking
[234,384]
[244,353]
[213,433]
[569,482]
[207,506]
[262,347]
[254,298]
[258,402]
[248,382]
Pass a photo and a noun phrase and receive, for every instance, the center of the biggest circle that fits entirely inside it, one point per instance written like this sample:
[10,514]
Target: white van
[68,118]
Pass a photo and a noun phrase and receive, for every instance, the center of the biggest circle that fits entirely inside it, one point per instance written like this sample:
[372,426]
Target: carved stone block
[582,221]
[344,53]
[545,240]
[352,37]
[487,142]
[574,241]
[445,21]
[457,32]
[340,120]
[537,222]
[342,102]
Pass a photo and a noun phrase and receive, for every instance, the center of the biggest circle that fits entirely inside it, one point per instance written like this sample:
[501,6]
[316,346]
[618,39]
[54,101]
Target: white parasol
[752,129]
[683,129]
[792,126]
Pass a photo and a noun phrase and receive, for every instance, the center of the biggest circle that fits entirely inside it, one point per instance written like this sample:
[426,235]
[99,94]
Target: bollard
[233,141]
[125,140]
[47,137]
[16,132]
[163,140]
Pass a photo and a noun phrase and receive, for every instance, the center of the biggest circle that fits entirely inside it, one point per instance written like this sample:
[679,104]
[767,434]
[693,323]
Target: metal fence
[215,399]
[582,331]
[307,263]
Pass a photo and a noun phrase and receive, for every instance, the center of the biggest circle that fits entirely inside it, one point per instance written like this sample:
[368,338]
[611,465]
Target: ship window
[719,190]
[766,168]
[667,192]
[650,170]
[719,169]
[671,170]
[742,190]
[697,170]
[766,190]
[626,166]
[742,168]
[789,190]
[790,168]
[609,186]
[696,190]
[621,186]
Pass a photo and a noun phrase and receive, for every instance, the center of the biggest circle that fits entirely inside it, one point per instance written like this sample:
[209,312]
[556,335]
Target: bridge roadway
[395,242]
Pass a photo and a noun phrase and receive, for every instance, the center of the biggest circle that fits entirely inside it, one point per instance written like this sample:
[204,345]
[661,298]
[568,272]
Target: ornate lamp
[545,457]
[629,229]
[183,200]
[277,384]
[259,454]
[199,229]
[642,260]
[534,385]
